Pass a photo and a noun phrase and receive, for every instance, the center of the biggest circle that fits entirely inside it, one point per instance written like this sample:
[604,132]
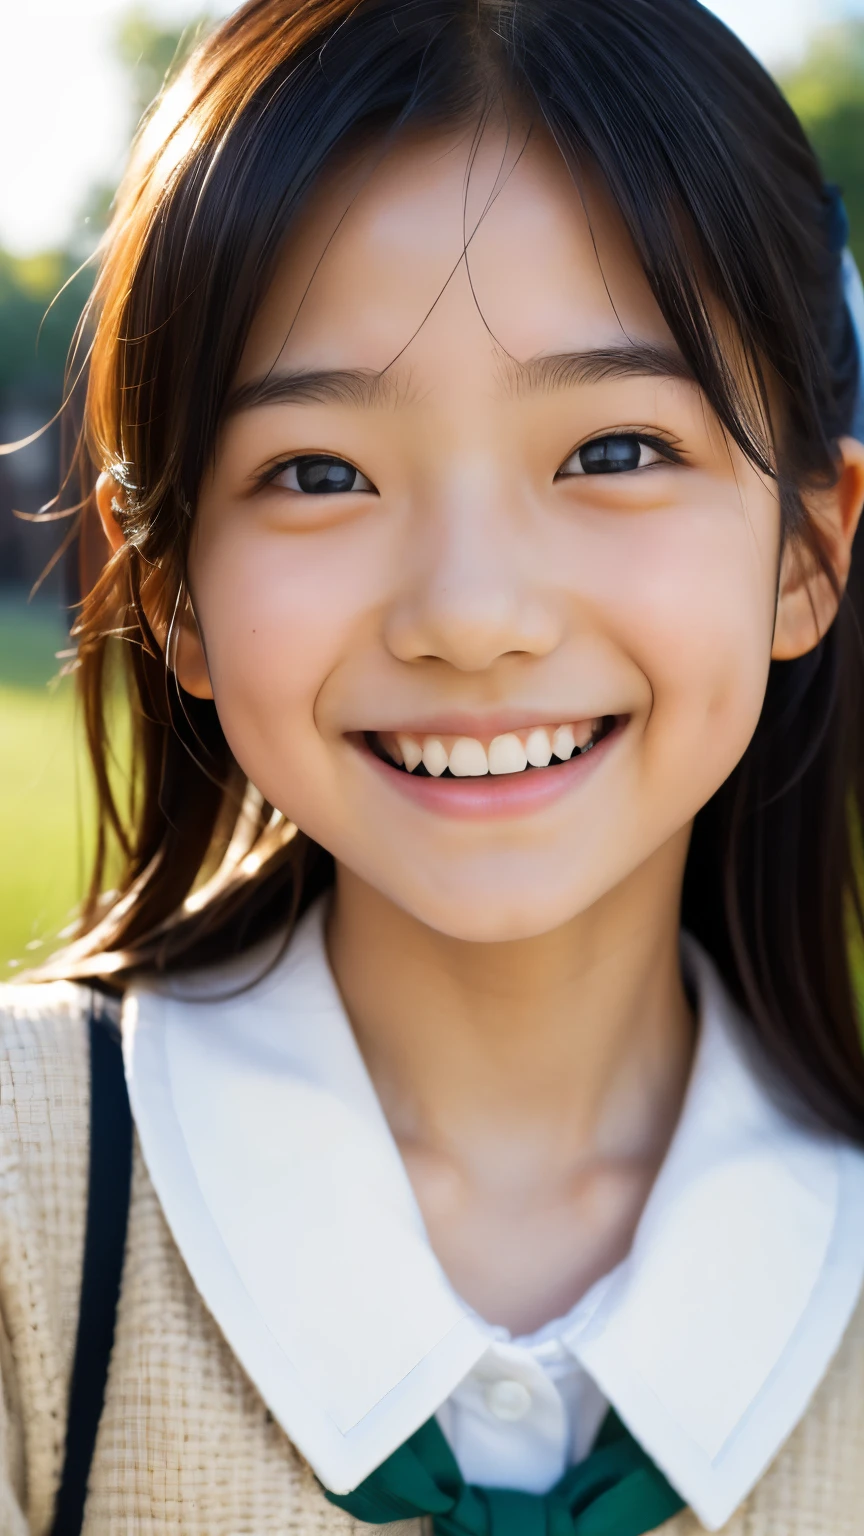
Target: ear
[187,661]
[807,602]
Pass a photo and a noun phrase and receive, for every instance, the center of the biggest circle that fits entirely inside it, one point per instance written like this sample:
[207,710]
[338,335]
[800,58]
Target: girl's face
[468,503]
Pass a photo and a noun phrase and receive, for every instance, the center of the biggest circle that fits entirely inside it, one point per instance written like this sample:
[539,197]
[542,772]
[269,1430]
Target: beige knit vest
[186,1445]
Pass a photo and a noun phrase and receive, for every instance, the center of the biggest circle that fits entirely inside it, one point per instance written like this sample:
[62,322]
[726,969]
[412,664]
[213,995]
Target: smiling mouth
[468,757]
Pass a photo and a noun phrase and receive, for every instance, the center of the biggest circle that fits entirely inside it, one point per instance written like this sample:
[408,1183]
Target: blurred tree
[151,53]
[41,298]
[827,92]
[34,303]
[38,311]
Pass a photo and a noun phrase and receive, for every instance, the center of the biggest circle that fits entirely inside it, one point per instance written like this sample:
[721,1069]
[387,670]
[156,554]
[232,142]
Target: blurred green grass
[43,814]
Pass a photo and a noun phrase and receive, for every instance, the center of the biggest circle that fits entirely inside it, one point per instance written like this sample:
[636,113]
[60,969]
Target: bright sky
[64,117]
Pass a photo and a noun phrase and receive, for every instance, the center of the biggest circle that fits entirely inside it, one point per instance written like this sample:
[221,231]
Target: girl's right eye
[318,474]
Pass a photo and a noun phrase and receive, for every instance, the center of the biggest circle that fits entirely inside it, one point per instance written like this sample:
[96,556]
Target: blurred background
[74,81]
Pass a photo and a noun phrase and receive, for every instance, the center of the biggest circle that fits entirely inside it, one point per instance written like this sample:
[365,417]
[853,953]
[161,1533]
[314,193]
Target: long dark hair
[725,203]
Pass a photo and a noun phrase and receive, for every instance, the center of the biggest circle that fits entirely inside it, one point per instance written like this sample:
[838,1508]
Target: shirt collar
[290,1204]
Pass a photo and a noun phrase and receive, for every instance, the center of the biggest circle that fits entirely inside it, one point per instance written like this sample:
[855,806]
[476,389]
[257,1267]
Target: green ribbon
[616,1491]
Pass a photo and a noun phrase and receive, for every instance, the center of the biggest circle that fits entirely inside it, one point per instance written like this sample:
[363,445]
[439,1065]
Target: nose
[474,591]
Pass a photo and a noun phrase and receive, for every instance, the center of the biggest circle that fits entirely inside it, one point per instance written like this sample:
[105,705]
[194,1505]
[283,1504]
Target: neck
[571,1026]
[523,1070]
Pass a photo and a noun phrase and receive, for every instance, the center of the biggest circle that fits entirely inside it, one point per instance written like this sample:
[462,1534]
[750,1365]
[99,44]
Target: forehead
[445,247]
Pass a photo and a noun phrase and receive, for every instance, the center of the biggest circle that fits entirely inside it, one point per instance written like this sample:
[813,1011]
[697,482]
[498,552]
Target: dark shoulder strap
[104,1244]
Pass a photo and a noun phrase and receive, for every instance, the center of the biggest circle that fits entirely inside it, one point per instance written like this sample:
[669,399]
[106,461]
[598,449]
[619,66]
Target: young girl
[470,416]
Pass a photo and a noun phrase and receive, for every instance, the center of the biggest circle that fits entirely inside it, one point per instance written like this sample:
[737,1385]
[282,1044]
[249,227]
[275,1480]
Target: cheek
[274,630]
[695,607]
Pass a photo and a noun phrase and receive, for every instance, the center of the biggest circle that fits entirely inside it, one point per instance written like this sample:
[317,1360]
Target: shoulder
[44,1157]
[44,1151]
[44,1061]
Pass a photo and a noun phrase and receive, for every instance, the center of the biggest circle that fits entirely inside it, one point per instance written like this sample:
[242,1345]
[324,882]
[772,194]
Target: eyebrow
[624,360]
[364,387]
[340,386]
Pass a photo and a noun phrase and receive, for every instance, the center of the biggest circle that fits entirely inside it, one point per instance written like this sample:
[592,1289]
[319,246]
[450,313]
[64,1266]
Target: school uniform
[283,1325]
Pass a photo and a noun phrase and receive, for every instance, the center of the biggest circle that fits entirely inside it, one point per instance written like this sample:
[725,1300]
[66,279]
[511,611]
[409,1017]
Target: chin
[480,916]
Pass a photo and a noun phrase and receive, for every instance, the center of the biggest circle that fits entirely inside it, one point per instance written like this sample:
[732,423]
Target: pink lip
[504,795]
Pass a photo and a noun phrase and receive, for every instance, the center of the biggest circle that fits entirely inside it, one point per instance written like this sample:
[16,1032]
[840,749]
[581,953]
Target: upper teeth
[466,757]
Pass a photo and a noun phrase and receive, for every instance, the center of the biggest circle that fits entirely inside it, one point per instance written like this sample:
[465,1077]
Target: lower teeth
[554,762]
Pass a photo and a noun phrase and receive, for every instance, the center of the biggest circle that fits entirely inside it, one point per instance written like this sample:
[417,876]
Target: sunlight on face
[528,524]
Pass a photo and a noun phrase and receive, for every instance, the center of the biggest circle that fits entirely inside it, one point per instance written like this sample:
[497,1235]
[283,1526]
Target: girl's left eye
[318,474]
[615,455]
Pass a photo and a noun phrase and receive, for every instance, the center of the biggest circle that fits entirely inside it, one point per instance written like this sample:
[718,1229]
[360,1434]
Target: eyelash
[664,446]
[275,470]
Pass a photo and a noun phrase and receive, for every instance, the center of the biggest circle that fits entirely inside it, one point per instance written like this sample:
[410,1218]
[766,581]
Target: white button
[508,1400]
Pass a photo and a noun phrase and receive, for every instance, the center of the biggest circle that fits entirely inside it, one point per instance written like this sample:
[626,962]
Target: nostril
[471,629]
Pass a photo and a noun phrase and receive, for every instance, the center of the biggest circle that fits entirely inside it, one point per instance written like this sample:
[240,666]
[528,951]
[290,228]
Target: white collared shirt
[289,1201]
[526,1412]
